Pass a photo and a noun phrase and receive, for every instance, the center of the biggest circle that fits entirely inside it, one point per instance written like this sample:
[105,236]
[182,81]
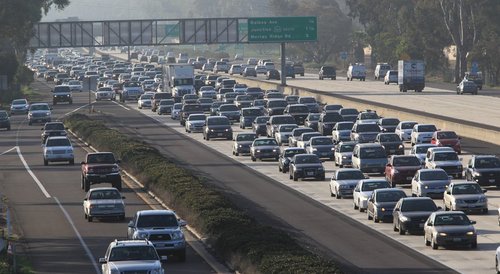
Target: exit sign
[282,29]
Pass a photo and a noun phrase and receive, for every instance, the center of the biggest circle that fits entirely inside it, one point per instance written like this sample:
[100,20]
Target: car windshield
[418,205]
[205,101]
[287,128]
[101,158]
[466,189]
[246,137]
[54,126]
[333,107]
[162,220]
[230,95]
[251,112]
[74,82]
[407,125]
[422,149]
[372,153]
[344,126]
[332,117]
[278,120]
[298,109]
[299,131]
[350,175]
[328,69]
[277,104]
[292,152]
[370,186]
[368,115]
[19,102]
[132,253]
[108,194]
[349,111]
[59,142]
[433,175]
[244,98]
[219,121]
[262,120]
[258,103]
[487,163]
[346,147]
[229,108]
[446,156]
[367,128]
[307,136]
[313,117]
[197,117]
[321,141]
[39,107]
[307,159]
[131,84]
[389,138]
[427,128]
[146,97]
[451,219]
[406,161]
[390,122]
[307,100]
[389,196]
[207,88]
[447,135]
[265,142]
[177,106]
[193,107]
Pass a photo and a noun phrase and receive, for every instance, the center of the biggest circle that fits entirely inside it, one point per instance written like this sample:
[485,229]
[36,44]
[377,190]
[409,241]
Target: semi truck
[179,80]
[411,75]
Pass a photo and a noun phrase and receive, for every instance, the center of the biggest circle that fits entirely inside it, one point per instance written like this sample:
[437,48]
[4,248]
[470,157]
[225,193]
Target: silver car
[283,133]
[404,129]
[364,190]
[449,228]
[104,93]
[103,202]
[465,196]
[195,123]
[343,153]
[19,106]
[39,113]
[58,149]
[264,148]
[430,183]
[131,256]
[344,181]
[176,108]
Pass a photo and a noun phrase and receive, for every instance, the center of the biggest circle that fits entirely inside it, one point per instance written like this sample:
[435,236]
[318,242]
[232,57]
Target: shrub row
[235,236]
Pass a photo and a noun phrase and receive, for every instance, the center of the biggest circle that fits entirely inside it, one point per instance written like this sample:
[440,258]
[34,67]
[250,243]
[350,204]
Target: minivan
[369,158]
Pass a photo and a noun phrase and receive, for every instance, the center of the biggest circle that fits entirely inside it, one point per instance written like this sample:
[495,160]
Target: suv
[157,97]
[58,149]
[217,127]
[188,110]
[61,94]
[39,112]
[100,167]
[131,257]
[327,72]
[483,169]
[445,158]
[162,228]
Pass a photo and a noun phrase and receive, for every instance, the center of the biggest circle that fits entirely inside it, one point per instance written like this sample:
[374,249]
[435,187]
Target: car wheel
[427,243]
[473,245]
[337,195]
[331,192]
[355,206]
[86,185]
[401,230]
[394,227]
[89,219]
[118,185]
[368,216]
[485,211]
[253,159]
[45,162]
[295,177]
[434,245]
[375,218]
[72,161]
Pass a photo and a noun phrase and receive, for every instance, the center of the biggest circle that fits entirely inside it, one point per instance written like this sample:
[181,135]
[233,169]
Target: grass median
[235,236]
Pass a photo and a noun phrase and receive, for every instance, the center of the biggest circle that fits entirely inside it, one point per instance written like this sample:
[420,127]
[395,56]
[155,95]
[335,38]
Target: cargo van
[356,71]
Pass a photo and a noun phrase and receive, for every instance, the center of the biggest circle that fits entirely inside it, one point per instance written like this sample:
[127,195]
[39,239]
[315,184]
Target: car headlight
[141,235]
[470,233]
[275,150]
[47,114]
[400,146]
[177,235]
[240,146]
[482,200]
[405,219]
[227,129]
[344,157]
[382,209]
[258,150]
[211,130]
[476,174]
[69,151]
[426,187]
[442,234]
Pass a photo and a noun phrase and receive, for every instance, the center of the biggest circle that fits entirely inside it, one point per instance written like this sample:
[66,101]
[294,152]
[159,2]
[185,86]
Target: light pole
[89,83]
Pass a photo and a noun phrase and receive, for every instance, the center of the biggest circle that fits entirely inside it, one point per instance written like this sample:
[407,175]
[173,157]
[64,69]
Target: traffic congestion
[414,178]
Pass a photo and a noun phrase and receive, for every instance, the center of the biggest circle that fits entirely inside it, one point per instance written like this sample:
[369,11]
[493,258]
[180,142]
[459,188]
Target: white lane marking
[120,105]
[42,188]
[80,238]
[7,151]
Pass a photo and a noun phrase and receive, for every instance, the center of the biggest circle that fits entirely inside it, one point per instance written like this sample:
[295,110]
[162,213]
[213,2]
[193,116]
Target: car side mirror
[267,123]
[430,224]
[370,200]
[388,165]
[131,224]
[469,166]
[102,260]
[182,223]
[448,192]
[472,222]
[85,199]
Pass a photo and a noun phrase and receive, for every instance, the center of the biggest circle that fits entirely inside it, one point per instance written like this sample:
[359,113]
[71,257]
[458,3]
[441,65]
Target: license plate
[102,176]
[219,134]
[457,239]
[491,180]
[409,178]
[310,173]
[392,150]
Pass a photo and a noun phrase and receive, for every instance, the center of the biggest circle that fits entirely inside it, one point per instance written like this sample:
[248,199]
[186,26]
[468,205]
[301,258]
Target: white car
[103,202]
[235,69]
[176,108]
[260,69]
[430,183]
[344,181]
[104,93]
[58,149]
[343,153]
[145,101]
[422,133]
[404,129]
[240,88]
[391,77]
[420,151]
[75,85]
[209,93]
[465,196]
[195,123]
[131,256]
[364,190]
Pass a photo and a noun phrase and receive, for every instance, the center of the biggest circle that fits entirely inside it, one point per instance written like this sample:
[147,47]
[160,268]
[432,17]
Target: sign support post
[283,64]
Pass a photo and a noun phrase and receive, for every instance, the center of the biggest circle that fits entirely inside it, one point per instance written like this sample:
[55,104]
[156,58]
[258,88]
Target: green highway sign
[282,29]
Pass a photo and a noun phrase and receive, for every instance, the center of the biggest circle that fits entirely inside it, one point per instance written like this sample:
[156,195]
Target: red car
[401,169]
[444,138]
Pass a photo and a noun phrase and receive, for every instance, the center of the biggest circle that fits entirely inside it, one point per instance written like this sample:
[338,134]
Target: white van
[356,71]
[381,69]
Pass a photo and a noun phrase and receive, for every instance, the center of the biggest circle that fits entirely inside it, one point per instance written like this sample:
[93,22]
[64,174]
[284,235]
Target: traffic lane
[320,192]
[271,202]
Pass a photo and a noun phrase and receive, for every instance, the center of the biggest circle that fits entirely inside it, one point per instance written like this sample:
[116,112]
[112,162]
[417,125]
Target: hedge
[236,237]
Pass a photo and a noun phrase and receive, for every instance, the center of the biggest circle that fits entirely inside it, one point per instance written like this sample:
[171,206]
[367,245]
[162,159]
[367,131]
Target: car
[240,88]
[430,183]
[273,74]
[255,92]
[422,133]
[465,196]
[58,149]
[195,123]
[305,138]
[206,103]
[53,129]
[368,116]
[275,107]
[61,93]
[283,133]
[420,151]
[311,121]
[304,166]
[229,97]
[165,106]
[231,111]
[296,135]
[381,70]
[391,76]
[298,111]
[401,169]
[326,122]
[145,101]
[447,138]
[364,132]
[176,110]
[243,101]
[277,120]
[217,127]
[39,113]
[484,170]
[221,66]
[349,114]
[157,97]
[19,106]
[4,120]
[162,228]
[292,99]
[189,99]
[467,86]
[104,93]
[100,167]
[310,102]
[391,142]
[75,85]
[369,158]
[404,130]
[187,110]
[131,256]
[449,228]
[248,116]
[342,153]
[343,182]
[298,68]
[264,148]
[332,108]
[103,202]
[215,107]
[445,158]
[249,71]
[356,71]
[363,191]
[321,146]
[286,156]
[388,124]
[242,143]
[235,69]
[342,132]
[207,67]
[327,72]
[411,213]
[382,202]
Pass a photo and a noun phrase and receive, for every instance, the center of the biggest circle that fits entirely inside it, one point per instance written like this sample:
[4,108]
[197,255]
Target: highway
[46,202]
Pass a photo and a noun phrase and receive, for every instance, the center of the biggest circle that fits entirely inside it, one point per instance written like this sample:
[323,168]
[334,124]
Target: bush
[232,233]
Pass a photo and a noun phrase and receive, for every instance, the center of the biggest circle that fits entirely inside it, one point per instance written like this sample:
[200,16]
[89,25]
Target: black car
[327,72]
[312,121]
[327,121]
[391,142]
[275,107]
[248,115]
[388,124]
[483,169]
[217,127]
[410,214]
[255,92]
[286,156]
[298,111]
[259,125]
[4,120]
[306,166]
[215,107]
[53,129]
[273,74]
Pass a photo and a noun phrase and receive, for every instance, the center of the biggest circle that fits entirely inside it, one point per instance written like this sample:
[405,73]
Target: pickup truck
[100,167]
